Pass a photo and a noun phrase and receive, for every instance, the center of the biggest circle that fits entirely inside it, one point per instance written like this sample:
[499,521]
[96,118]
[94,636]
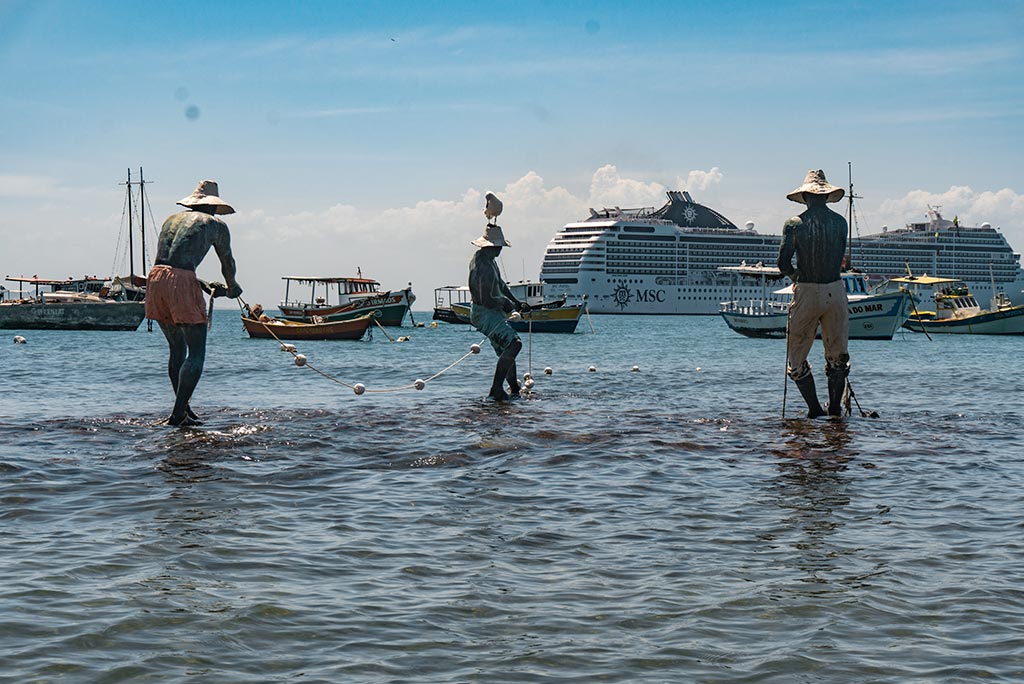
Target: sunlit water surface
[659,525]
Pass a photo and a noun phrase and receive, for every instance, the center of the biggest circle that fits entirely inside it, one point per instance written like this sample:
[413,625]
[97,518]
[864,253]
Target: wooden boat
[262,326]
[71,304]
[445,298]
[551,318]
[872,316]
[956,310]
[342,298]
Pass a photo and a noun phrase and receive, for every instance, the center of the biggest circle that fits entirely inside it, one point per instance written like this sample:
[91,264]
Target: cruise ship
[666,261]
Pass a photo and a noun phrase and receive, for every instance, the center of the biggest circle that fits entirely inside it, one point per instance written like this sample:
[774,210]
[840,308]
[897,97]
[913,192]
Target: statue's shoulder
[792,224]
[190,222]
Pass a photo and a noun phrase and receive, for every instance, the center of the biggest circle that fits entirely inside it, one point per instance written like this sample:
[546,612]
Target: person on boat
[174,295]
[492,302]
[817,238]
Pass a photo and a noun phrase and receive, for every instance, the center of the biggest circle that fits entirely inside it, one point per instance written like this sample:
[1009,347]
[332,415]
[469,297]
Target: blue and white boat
[872,316]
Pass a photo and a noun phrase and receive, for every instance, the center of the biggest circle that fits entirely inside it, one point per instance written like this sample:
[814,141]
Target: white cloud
[700,181]
[1002,208]
[428,243]
[609,189]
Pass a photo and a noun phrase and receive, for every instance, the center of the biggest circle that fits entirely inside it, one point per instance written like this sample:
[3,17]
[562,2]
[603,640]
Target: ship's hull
[1003,322]
[350,329]
[72,316]
[389,310]
[872,318]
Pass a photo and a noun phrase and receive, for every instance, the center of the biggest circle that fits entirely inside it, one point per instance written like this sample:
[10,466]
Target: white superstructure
[666,261]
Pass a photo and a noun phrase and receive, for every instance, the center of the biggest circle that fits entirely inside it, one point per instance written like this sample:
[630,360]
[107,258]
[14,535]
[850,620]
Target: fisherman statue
[493,301]
[174,295]
[817,238]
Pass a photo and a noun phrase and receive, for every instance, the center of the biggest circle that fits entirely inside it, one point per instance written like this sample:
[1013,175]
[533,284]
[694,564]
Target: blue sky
[364,134]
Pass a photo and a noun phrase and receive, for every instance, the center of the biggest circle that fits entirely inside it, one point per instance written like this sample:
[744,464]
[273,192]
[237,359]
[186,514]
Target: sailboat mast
[142,217]
[131,242]
[849,219]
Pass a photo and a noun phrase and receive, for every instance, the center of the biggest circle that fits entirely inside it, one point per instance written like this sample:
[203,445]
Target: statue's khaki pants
[817,304]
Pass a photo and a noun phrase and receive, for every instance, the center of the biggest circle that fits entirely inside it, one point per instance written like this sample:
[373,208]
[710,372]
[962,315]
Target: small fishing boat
[259,325]
[342,298]
[872,316]
[552,317]
[71,304]
[445,298]
[956,310]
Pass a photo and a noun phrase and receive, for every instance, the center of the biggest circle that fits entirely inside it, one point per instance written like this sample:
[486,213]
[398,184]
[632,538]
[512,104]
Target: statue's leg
[191,370]
[506,364]
[178,350]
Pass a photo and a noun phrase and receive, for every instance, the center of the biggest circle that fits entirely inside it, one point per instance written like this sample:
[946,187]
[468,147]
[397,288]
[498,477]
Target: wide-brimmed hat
[492,237]
[816,184]
[207,194]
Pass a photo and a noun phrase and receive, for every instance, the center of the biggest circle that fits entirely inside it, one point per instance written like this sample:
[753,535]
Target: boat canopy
[309,280]
[925,280]
[757,269]
[50,281]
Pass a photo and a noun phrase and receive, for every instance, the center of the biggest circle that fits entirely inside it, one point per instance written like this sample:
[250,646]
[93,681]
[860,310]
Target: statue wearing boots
[817,238]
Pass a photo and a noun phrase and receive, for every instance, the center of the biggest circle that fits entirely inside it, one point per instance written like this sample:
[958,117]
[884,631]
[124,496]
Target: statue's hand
[232,292]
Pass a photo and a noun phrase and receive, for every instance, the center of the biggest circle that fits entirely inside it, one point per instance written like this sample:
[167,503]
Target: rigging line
[152,224]
[114,266]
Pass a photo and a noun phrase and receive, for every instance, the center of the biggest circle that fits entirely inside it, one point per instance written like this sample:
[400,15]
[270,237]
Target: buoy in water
[474,348]
[527,376]
[300,359]
[285,347]
[419,325]
[592,369]
[18,339]
[358,388]
[548,370]
[433,324]
[634,369]
[528,383]
[403,338]
[419,384]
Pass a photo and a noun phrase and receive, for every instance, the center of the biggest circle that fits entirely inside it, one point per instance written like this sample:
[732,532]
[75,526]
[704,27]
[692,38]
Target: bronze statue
[818,239]
[492,302]
[174,295]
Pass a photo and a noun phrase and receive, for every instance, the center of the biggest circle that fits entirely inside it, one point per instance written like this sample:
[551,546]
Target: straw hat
[492,237]
[816,184]
[207,194]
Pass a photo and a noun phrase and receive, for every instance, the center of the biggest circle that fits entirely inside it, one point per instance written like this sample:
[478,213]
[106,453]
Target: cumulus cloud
[1002,208]
[700,181]
[428,242]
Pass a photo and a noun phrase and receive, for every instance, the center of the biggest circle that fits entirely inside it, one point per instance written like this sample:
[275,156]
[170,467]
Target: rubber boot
[807,391]
[836,388]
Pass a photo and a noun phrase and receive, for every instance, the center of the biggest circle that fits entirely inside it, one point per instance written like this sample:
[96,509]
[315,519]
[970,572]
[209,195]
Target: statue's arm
[222,245]
[510,302]
[788,247]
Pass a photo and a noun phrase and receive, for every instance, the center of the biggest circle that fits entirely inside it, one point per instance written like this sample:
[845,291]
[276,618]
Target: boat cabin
[324,291]
[86,285]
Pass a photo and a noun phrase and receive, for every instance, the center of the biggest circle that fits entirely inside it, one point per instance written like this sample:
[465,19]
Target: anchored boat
[343,298]
[957,311]
[71,304]
[259,325]
[445,298]
[872,316]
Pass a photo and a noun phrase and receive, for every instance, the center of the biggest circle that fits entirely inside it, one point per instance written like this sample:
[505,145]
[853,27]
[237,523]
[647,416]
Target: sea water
[658,525]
